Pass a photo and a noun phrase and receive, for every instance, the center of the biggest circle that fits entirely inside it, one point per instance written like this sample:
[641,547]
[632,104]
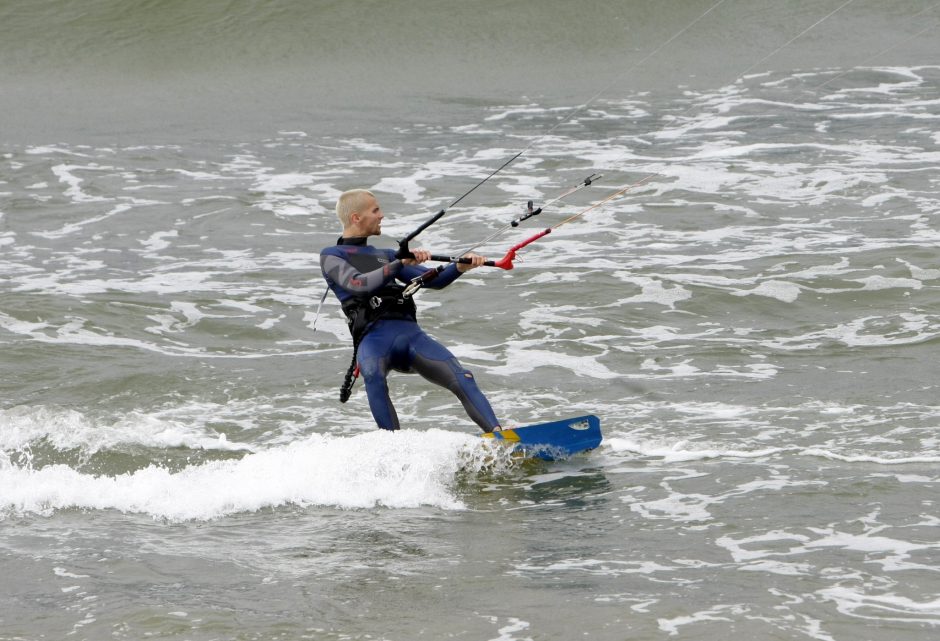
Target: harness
[388,301]
[362,312]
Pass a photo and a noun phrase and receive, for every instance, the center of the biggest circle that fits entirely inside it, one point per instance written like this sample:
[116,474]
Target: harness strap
[362,312]
[351,375]
[319,307]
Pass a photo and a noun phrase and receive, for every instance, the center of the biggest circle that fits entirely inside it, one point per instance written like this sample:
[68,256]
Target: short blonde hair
[349,203]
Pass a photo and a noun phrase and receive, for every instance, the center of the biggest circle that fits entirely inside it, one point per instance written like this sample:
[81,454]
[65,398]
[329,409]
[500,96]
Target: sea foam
[404,469]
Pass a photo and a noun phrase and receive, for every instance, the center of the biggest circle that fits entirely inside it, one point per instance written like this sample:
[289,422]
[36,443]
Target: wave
[405,469]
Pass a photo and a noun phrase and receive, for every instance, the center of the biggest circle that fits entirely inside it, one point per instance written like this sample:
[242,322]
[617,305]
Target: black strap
[362,312]
[346,390]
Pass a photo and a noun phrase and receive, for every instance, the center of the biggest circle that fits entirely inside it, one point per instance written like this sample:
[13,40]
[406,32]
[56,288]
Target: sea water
[754,319]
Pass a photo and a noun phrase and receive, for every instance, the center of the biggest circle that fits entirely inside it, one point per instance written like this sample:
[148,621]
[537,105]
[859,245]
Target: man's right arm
[343,274]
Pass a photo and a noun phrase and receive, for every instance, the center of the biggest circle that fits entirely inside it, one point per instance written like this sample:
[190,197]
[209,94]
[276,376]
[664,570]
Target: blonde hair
[349,203]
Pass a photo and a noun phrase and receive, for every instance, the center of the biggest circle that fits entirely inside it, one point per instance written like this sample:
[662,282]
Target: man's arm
[444,276]
[345,275]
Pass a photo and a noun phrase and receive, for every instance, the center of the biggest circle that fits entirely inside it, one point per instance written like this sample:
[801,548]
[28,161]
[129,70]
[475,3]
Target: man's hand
[476,261]
[420,256]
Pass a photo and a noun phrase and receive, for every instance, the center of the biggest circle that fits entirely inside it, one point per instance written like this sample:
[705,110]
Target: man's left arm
[444,277]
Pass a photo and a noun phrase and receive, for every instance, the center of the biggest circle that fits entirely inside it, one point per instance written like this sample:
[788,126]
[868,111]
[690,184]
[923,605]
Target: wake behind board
[550,441]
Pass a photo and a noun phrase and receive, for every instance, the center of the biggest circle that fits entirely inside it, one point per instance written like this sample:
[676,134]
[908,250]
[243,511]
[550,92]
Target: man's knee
[372,370]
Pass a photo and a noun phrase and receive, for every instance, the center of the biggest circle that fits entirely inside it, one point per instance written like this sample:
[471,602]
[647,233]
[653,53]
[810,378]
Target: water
[756,324]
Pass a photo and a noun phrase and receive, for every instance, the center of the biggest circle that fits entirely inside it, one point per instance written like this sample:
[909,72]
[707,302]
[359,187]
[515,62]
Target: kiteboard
[550,441]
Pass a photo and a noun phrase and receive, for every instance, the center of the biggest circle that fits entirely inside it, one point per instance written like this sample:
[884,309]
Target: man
[386,335]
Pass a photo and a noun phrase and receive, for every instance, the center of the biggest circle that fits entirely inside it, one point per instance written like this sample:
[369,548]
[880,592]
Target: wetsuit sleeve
[344,275]
[443,279]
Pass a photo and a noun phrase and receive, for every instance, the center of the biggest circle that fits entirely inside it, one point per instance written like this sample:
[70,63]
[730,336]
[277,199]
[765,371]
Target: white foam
[596,567]
[49,150]
[907,329]
[157,240]
[653,290]
[876,282]
[856,602]
[62,572]
[72,228]
[67,429]
[781,290]
[740,554]
[521,359]
[402,469]
[556,320]
[869,458]
[68,174]
[727,613]
[508,632]
[365,145]
[273,183]
[677,507]
[921,273]
[74,331]
[676,370]
[682,450]
[506,113]
[780,567]
[407,186]
[199,175]
[329,321]
[867,543]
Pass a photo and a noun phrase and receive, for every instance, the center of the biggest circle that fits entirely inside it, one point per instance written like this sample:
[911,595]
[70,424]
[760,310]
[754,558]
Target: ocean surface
[755,319]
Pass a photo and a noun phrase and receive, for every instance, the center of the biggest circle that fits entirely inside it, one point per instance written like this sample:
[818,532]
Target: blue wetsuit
[385,330]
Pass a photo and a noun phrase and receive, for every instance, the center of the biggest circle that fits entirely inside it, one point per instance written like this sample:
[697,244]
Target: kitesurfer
[386,336]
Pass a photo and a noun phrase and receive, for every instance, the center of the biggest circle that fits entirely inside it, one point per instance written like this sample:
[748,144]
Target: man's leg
[434,362]
[373,365]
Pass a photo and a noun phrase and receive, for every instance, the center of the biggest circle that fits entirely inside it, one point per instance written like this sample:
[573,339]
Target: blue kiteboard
[550,441]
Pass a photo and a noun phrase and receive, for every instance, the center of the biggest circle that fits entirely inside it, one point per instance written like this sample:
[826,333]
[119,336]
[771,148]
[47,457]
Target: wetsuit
[385,331]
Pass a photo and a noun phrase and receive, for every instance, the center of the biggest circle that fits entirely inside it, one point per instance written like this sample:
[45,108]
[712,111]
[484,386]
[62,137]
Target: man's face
[370,217]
